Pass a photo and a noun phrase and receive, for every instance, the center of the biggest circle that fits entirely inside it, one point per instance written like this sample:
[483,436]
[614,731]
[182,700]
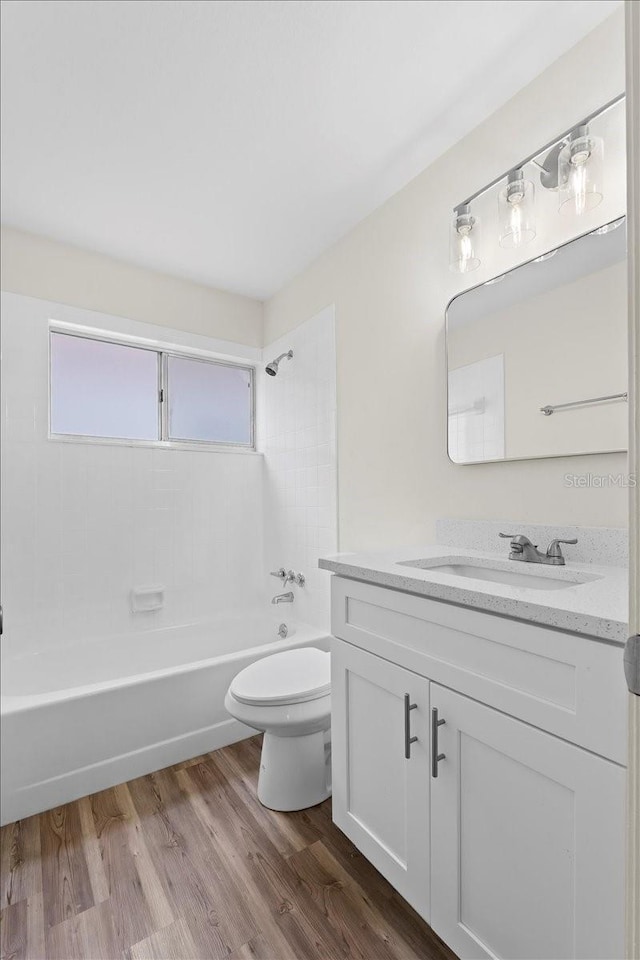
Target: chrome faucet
[284,597]
[288,576]
[523,549]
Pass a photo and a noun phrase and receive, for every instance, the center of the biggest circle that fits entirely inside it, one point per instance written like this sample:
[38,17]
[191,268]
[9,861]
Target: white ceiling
[232,141]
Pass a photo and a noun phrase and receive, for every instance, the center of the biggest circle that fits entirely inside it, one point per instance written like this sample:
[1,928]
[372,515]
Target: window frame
[163,394]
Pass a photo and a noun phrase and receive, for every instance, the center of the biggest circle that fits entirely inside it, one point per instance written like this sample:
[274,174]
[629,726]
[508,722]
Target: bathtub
[83,717]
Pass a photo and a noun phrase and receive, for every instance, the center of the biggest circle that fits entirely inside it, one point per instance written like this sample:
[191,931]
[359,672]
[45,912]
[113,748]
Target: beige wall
[38,267]
[390,283]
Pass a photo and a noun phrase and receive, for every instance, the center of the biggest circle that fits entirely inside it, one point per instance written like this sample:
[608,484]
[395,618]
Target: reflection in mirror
[551,333]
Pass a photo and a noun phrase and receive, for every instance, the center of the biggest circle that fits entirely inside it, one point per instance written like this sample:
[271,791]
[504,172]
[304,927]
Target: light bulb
[515,224]
[580,168]
[466,250]
[516,211]
[463,256]
[578,183]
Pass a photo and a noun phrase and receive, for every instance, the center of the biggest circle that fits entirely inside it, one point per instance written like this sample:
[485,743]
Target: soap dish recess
[145,599]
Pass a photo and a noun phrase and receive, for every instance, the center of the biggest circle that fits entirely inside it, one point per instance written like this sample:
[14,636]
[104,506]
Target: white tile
[84,523]
[301,493]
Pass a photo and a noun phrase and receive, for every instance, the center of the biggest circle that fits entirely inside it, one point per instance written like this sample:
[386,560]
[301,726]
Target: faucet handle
[281,573]
[519,543]
[553,550]
[517,538]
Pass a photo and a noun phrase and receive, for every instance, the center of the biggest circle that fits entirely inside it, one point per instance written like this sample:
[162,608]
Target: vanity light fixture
[516,211]
[463,256]
[580,169]
[549,168]
[570,165]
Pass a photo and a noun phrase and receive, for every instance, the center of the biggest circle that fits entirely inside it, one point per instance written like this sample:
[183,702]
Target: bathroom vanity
[479,743]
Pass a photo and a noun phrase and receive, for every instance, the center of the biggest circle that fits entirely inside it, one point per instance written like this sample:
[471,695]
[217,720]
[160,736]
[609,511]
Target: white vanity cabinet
[381,798]
[526,840]
[512,845]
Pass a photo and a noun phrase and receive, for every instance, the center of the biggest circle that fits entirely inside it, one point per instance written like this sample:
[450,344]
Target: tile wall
[84,523]
[297,434]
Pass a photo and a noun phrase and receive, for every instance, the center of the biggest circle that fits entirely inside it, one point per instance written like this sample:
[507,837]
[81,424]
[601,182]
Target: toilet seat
[293,676]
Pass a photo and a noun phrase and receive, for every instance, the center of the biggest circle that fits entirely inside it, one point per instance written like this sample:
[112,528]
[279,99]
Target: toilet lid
[293,676]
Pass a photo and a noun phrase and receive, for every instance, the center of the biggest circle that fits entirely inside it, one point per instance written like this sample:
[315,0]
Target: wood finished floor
[185,864]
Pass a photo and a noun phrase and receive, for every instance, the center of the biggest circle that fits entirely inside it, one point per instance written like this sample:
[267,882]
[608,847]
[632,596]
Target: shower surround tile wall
[82,524]
[297,434]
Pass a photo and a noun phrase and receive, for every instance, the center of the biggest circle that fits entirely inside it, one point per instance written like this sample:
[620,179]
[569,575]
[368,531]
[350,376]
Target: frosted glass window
[101,389]
[104,389]
[209,401]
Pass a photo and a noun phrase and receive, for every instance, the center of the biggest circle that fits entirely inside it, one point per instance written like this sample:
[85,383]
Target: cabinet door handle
[435,756]
[408,739]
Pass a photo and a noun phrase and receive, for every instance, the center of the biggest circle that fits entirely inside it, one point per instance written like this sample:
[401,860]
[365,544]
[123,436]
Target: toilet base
[294,772]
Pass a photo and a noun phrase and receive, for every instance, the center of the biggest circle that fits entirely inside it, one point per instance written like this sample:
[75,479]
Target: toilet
[288,696]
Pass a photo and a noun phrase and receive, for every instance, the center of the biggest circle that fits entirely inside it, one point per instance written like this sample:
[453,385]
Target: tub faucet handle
[281,573]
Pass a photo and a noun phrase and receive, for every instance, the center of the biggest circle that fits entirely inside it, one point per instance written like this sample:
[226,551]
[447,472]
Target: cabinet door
[380,797]
[527,840]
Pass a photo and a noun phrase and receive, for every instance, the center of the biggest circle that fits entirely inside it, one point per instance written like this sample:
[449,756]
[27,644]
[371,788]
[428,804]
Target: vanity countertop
[597,607]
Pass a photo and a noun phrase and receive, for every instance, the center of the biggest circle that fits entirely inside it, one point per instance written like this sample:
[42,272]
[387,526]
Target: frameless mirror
[537,358]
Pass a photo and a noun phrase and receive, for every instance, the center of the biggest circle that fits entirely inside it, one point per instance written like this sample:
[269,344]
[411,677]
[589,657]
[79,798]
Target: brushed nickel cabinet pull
[408,739]
[435,756]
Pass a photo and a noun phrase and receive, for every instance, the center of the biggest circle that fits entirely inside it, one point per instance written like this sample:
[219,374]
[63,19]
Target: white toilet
[288,695]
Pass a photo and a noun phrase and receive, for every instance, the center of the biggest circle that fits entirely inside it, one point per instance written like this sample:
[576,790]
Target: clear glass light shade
[517,213]
[463,250]
[580,173]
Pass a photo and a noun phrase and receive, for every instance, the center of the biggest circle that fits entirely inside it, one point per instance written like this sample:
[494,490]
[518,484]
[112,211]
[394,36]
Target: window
[101,389]
[109,390]
[208,401]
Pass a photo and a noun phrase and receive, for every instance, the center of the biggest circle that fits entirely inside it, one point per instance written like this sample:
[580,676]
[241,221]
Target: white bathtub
[84,717]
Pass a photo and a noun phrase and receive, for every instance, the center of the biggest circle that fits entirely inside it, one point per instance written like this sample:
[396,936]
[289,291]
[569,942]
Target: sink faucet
[284,597]
[523,549]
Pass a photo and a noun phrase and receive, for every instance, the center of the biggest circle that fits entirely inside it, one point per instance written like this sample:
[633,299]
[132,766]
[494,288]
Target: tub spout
[284,597]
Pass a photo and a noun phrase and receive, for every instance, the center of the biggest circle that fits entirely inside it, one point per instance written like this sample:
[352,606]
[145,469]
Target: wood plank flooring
[185,864]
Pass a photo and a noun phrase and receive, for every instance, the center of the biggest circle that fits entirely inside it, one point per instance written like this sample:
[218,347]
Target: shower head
[272,368]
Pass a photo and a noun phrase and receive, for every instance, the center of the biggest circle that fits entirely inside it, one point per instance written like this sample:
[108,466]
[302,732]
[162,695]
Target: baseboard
[21,802]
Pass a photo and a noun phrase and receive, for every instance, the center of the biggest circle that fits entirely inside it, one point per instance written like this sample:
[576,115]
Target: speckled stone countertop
[596,606]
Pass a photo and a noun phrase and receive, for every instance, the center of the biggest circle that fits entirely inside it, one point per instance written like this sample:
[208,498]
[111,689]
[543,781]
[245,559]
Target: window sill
[201,447]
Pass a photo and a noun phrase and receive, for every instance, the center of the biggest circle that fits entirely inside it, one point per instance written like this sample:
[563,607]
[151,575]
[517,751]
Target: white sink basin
[547,578]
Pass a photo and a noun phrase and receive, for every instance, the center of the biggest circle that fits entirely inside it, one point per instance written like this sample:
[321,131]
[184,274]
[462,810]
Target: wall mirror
[537,359]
